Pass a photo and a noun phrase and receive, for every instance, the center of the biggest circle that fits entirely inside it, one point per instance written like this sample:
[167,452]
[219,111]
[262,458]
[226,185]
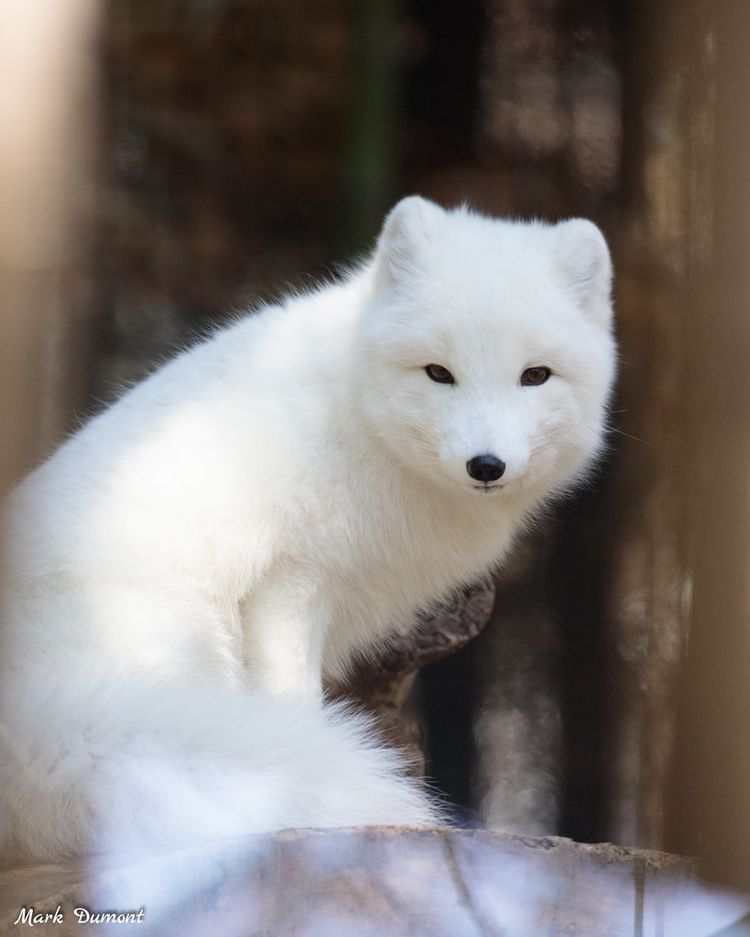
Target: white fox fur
[184,571]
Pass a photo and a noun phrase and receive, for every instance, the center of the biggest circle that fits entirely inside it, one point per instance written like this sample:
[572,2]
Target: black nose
[485,468]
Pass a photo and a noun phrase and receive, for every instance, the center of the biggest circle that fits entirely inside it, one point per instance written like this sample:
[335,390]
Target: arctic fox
[184,572]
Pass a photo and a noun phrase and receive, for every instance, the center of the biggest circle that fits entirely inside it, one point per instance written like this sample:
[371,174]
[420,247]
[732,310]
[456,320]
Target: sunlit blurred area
[166,164]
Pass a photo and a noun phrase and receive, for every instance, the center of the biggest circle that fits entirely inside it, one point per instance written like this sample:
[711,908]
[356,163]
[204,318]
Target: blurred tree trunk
[371,151]
[648,580]
[549,127]
[580,673]
[710,806]
[46,71]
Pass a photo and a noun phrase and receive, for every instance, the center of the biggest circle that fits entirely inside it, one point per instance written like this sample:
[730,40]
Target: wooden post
[46,85]
[710,815]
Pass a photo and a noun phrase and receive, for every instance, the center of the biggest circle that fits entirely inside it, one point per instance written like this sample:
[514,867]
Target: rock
[381,686]
[381,882]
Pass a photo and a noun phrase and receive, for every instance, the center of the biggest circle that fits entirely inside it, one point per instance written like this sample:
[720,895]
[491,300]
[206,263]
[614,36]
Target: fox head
[486,352]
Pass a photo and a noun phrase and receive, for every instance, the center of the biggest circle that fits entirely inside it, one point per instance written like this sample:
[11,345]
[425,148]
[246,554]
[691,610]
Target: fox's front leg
[284,628]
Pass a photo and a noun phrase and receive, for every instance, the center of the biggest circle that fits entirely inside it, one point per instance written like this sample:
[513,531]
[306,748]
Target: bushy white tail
[123,765]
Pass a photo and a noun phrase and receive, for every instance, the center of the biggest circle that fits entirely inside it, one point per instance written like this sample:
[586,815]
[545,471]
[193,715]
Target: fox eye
[533,377]
[436,372]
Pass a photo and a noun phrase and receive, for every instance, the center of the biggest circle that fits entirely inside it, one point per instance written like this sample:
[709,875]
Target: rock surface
[380,882]
[382,685]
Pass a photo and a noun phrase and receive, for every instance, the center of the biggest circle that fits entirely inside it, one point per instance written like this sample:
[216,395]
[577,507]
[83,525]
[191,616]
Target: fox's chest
[376,571]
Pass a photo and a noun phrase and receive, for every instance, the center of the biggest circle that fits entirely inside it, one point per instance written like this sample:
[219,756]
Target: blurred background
[164,163]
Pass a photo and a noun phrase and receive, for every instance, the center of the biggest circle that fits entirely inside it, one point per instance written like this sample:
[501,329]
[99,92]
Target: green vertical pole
[370,149]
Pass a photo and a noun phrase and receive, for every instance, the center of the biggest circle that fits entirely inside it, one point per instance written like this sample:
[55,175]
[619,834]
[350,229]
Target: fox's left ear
[406,229]
[584,258]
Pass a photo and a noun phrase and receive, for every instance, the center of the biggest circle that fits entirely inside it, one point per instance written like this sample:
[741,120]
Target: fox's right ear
[406,228]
